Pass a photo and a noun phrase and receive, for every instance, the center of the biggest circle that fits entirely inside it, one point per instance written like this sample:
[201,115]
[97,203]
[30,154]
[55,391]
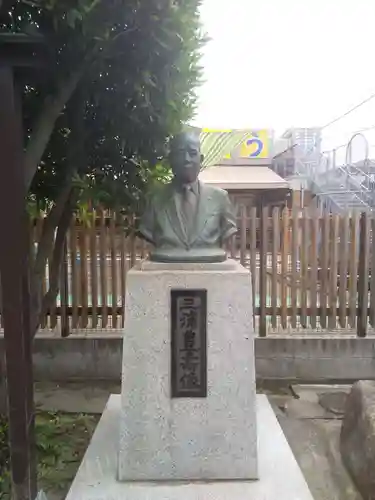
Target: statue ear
[202,158]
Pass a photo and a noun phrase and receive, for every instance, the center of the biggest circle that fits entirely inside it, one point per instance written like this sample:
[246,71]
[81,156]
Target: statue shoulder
[158,194]
[216,192]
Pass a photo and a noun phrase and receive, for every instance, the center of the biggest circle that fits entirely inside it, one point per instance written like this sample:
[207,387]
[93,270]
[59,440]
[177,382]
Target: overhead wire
[349,111]
[340,117]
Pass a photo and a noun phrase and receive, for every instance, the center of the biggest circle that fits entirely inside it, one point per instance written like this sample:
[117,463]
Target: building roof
[243,177]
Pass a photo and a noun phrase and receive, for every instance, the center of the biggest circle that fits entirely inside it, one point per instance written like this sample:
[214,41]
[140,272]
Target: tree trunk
[55,227]
[41,305]
[3,391]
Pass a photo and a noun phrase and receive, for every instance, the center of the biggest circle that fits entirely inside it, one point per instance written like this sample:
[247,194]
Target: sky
[289,63]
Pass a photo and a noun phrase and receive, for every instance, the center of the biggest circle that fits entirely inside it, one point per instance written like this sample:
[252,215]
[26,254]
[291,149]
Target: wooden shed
[249,185]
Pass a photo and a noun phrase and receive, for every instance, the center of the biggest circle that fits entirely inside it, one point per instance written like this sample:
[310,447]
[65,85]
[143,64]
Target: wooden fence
[309,272]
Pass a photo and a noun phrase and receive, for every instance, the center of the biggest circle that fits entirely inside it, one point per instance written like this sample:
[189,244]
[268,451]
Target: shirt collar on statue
[193,187]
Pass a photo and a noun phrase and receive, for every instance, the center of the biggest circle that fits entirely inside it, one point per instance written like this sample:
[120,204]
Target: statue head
[185,157]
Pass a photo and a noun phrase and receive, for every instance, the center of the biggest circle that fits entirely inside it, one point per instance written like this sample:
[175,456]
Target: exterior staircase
[341,191]
[338,188]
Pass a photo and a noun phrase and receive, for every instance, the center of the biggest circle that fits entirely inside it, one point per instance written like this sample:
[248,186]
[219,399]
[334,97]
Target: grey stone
[310,403]
[298,408]
[357,438]
[279,474]
[188,438]
[315,444]
[334,402]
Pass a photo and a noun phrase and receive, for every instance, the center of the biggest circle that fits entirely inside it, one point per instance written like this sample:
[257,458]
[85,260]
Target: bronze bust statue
[186,220]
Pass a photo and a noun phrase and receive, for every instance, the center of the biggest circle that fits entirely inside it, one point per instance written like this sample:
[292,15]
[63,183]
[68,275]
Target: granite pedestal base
[204,438]
[280,477]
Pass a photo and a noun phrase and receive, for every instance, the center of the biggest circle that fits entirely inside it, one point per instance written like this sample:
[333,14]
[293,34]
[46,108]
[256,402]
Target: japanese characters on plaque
[189,343]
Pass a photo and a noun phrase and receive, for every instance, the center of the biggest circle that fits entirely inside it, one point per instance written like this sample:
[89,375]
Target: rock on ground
[357,440]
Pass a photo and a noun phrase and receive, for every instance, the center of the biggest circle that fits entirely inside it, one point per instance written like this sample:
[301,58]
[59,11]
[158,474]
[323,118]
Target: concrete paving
[309,415]
[96,477]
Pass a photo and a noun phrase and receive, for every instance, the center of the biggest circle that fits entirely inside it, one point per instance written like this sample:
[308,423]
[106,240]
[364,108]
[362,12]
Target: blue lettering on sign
[259,144]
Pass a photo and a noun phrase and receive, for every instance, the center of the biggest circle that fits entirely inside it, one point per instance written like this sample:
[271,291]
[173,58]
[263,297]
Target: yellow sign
[235,144]
[256,145]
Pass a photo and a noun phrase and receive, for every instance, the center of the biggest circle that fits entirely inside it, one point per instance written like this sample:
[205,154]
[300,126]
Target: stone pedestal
[181,448]
[188,438]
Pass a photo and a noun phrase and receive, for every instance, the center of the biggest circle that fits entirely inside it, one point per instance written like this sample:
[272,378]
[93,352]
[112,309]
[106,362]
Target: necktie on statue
[188,208]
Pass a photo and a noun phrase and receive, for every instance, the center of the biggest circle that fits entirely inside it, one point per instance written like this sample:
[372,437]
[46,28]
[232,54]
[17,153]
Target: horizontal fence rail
[310,273]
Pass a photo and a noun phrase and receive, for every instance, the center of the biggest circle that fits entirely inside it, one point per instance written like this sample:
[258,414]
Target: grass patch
[62,439]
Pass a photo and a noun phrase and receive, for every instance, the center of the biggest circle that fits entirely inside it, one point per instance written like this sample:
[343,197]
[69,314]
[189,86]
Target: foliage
[61,442]
[137,90]
[120,80]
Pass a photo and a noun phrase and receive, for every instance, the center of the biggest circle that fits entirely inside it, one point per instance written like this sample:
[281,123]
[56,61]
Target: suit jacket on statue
[162,222]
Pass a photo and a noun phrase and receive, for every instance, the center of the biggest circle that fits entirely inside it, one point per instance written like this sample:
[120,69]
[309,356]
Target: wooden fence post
[263,270]
[300,265]
[64,293]
[363,275]
[372,274]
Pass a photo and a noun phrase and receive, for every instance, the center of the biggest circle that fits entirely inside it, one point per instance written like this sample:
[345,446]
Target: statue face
[185,158]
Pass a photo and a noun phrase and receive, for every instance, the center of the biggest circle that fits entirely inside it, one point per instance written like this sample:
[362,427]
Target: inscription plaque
[189,343]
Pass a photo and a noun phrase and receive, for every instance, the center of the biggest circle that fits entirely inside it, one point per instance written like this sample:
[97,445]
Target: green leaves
[73,16]
[61,441]
[138,91]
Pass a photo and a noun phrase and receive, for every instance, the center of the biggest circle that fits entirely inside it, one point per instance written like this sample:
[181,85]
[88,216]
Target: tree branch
[56,260]
[45,248]
[76,159]
[45,122]
[52,242]
[50,223]
[53,105]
